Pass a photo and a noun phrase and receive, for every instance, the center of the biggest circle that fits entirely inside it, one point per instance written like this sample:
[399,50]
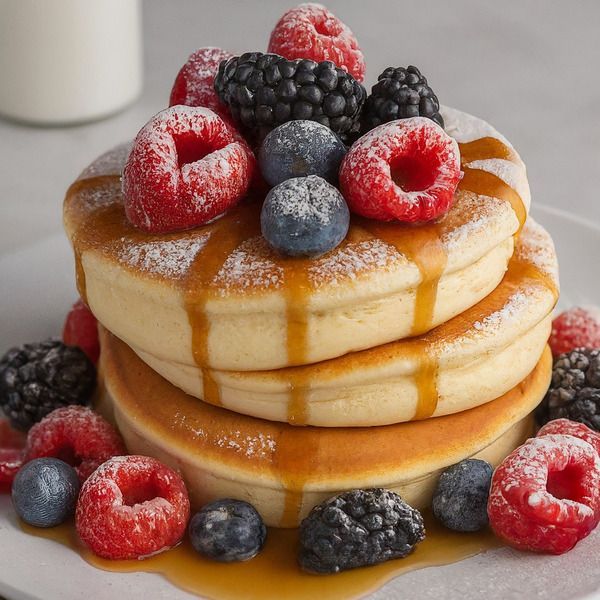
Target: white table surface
[528,66]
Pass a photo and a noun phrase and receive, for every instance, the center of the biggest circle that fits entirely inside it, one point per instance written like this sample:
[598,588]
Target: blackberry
[400,93]
[263,91]
[358,528]
[37,378]
[575,389]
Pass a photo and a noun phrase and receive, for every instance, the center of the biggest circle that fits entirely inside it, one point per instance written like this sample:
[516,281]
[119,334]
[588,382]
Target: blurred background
[528,66]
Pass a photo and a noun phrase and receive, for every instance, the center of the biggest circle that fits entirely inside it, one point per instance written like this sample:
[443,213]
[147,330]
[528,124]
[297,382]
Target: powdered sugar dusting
[539,249]
[109,163]
[250,266]
[513,310]
[168,258]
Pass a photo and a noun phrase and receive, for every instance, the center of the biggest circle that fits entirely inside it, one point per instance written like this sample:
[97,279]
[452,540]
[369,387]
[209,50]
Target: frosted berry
[304,216]
[404,170]
[567,427]
[228,531]
[12,446]
[132,507]
[461,495]
[44,492]
[575,328]
[194,84]
[186,167]
[545,496]
[77,435]
[300,148]
[312,31]
[81,330]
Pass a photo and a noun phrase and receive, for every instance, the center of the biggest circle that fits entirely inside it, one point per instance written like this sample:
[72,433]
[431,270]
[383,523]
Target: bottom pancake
[285,470]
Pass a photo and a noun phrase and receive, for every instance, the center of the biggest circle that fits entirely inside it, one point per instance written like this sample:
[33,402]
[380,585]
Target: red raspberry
[194,83]
[406,169]
[77,435]
[575,328]
[81,329]
[545,496]
[12,444]
[132,507]
[567,427]
[312,31]
[186,167]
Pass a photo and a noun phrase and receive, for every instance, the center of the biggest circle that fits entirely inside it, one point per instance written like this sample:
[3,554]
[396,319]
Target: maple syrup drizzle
[482,182]
[274,573]
[226,236]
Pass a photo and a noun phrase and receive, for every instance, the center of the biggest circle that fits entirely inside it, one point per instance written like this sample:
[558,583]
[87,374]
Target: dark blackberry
[37,378]
[358,528]
[400,94]
[263,91]
[575,389]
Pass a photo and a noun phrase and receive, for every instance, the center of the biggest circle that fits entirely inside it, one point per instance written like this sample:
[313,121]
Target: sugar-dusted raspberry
[405,170]
[575,328]
[132,507]
[568,427]
[77,435]
[186,167]
[194,84]
[81,329]
[312,31]
[545,496]
[12,444]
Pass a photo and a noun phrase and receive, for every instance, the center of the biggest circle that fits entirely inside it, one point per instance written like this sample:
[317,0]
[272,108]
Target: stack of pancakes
[283,381]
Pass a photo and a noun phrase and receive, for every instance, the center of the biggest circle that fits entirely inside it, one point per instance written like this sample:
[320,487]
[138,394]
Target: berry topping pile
[44,492]
[575,328]
[312,31]
[186,167]
[131,507]
[228,531]
[77,435]
[81,330]
[358,528]
[461,495]
[545,496]
[405,169]
[400,94]
[300,148]
[575,389]
[266,90]
[37,378]
[578,430]
[194,83]
[304,216]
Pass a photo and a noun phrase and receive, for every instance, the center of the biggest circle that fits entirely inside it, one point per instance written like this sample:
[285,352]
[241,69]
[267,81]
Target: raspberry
[77,435]
[194,84]
[406,169]
[81,330]
[186,167]
[545,496]
[567,427]
[312,31]
[132,507]
[575,328]
[12,444]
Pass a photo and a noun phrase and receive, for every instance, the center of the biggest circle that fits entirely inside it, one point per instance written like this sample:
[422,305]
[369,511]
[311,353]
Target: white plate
[37,287]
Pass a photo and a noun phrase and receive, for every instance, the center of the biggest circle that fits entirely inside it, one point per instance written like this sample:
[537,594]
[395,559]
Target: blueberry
[304,216]
[228,531]
[44,492]
[460,498]
[300,148]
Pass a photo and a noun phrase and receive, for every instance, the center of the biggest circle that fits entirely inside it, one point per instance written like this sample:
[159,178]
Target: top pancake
[218,296]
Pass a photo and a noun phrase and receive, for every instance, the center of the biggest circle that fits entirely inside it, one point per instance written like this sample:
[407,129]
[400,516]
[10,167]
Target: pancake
[218,297]
[284,470]
[471,359]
